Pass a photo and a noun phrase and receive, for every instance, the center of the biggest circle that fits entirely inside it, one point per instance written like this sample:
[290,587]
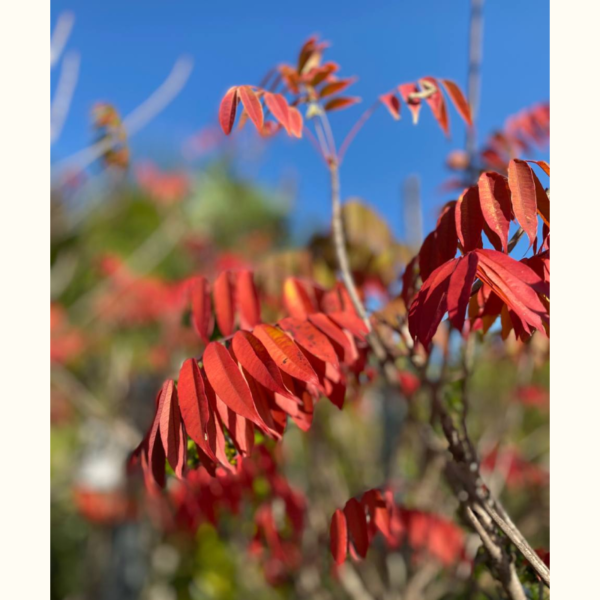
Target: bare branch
[67,82]
[138,118]
[61,34]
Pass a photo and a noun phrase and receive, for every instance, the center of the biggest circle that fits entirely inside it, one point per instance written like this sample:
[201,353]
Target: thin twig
[60,37]
[137,119]
[506,571]
[355,129]
[67,82]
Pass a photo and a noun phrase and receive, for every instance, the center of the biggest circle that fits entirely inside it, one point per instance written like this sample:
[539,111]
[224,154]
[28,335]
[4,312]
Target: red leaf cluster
[256,378]
[353,529]
[206,497]
[285,115]
[429,89]
[517,290]
[165,187]
[66,342]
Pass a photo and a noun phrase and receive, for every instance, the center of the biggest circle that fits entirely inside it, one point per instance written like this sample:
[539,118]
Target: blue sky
[127,49]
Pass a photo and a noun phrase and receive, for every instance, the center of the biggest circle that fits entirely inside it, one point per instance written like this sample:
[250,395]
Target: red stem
[357,127]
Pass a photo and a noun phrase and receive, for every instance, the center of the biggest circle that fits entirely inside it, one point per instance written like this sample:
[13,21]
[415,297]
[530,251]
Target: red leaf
[170,421]
[297,299]
[353,323]
[278,105]
[216,438]
[340,103]
[495,202]
[247,299]
[469,220]
[227,381]
[202,316]
[285,353]
[156,454]
[357,525]
[253,356]
[406,89]
[252,105]
[296,123]
[459,101]
[194,404]
[338,537]
[262,400]
[517,285]
[430,304]
[340,342]
[459,289]
[224,303]
[522,186]
[308,337]
[445,233]
[378,509]
[392,103]
[438,105]
[542,200]
[227,110]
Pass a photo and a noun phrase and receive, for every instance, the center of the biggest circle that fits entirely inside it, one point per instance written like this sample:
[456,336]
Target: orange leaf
[297,299]
[278,105]
[340,103]
[227,110]
[296,123]
[285,353]
[252,105]
[336,86]
[542,164]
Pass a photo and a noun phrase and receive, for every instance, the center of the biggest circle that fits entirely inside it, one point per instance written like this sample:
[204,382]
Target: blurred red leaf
[459,101]
[223,295]
[338,537]
[228,109]
[340,103]
[252,105]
